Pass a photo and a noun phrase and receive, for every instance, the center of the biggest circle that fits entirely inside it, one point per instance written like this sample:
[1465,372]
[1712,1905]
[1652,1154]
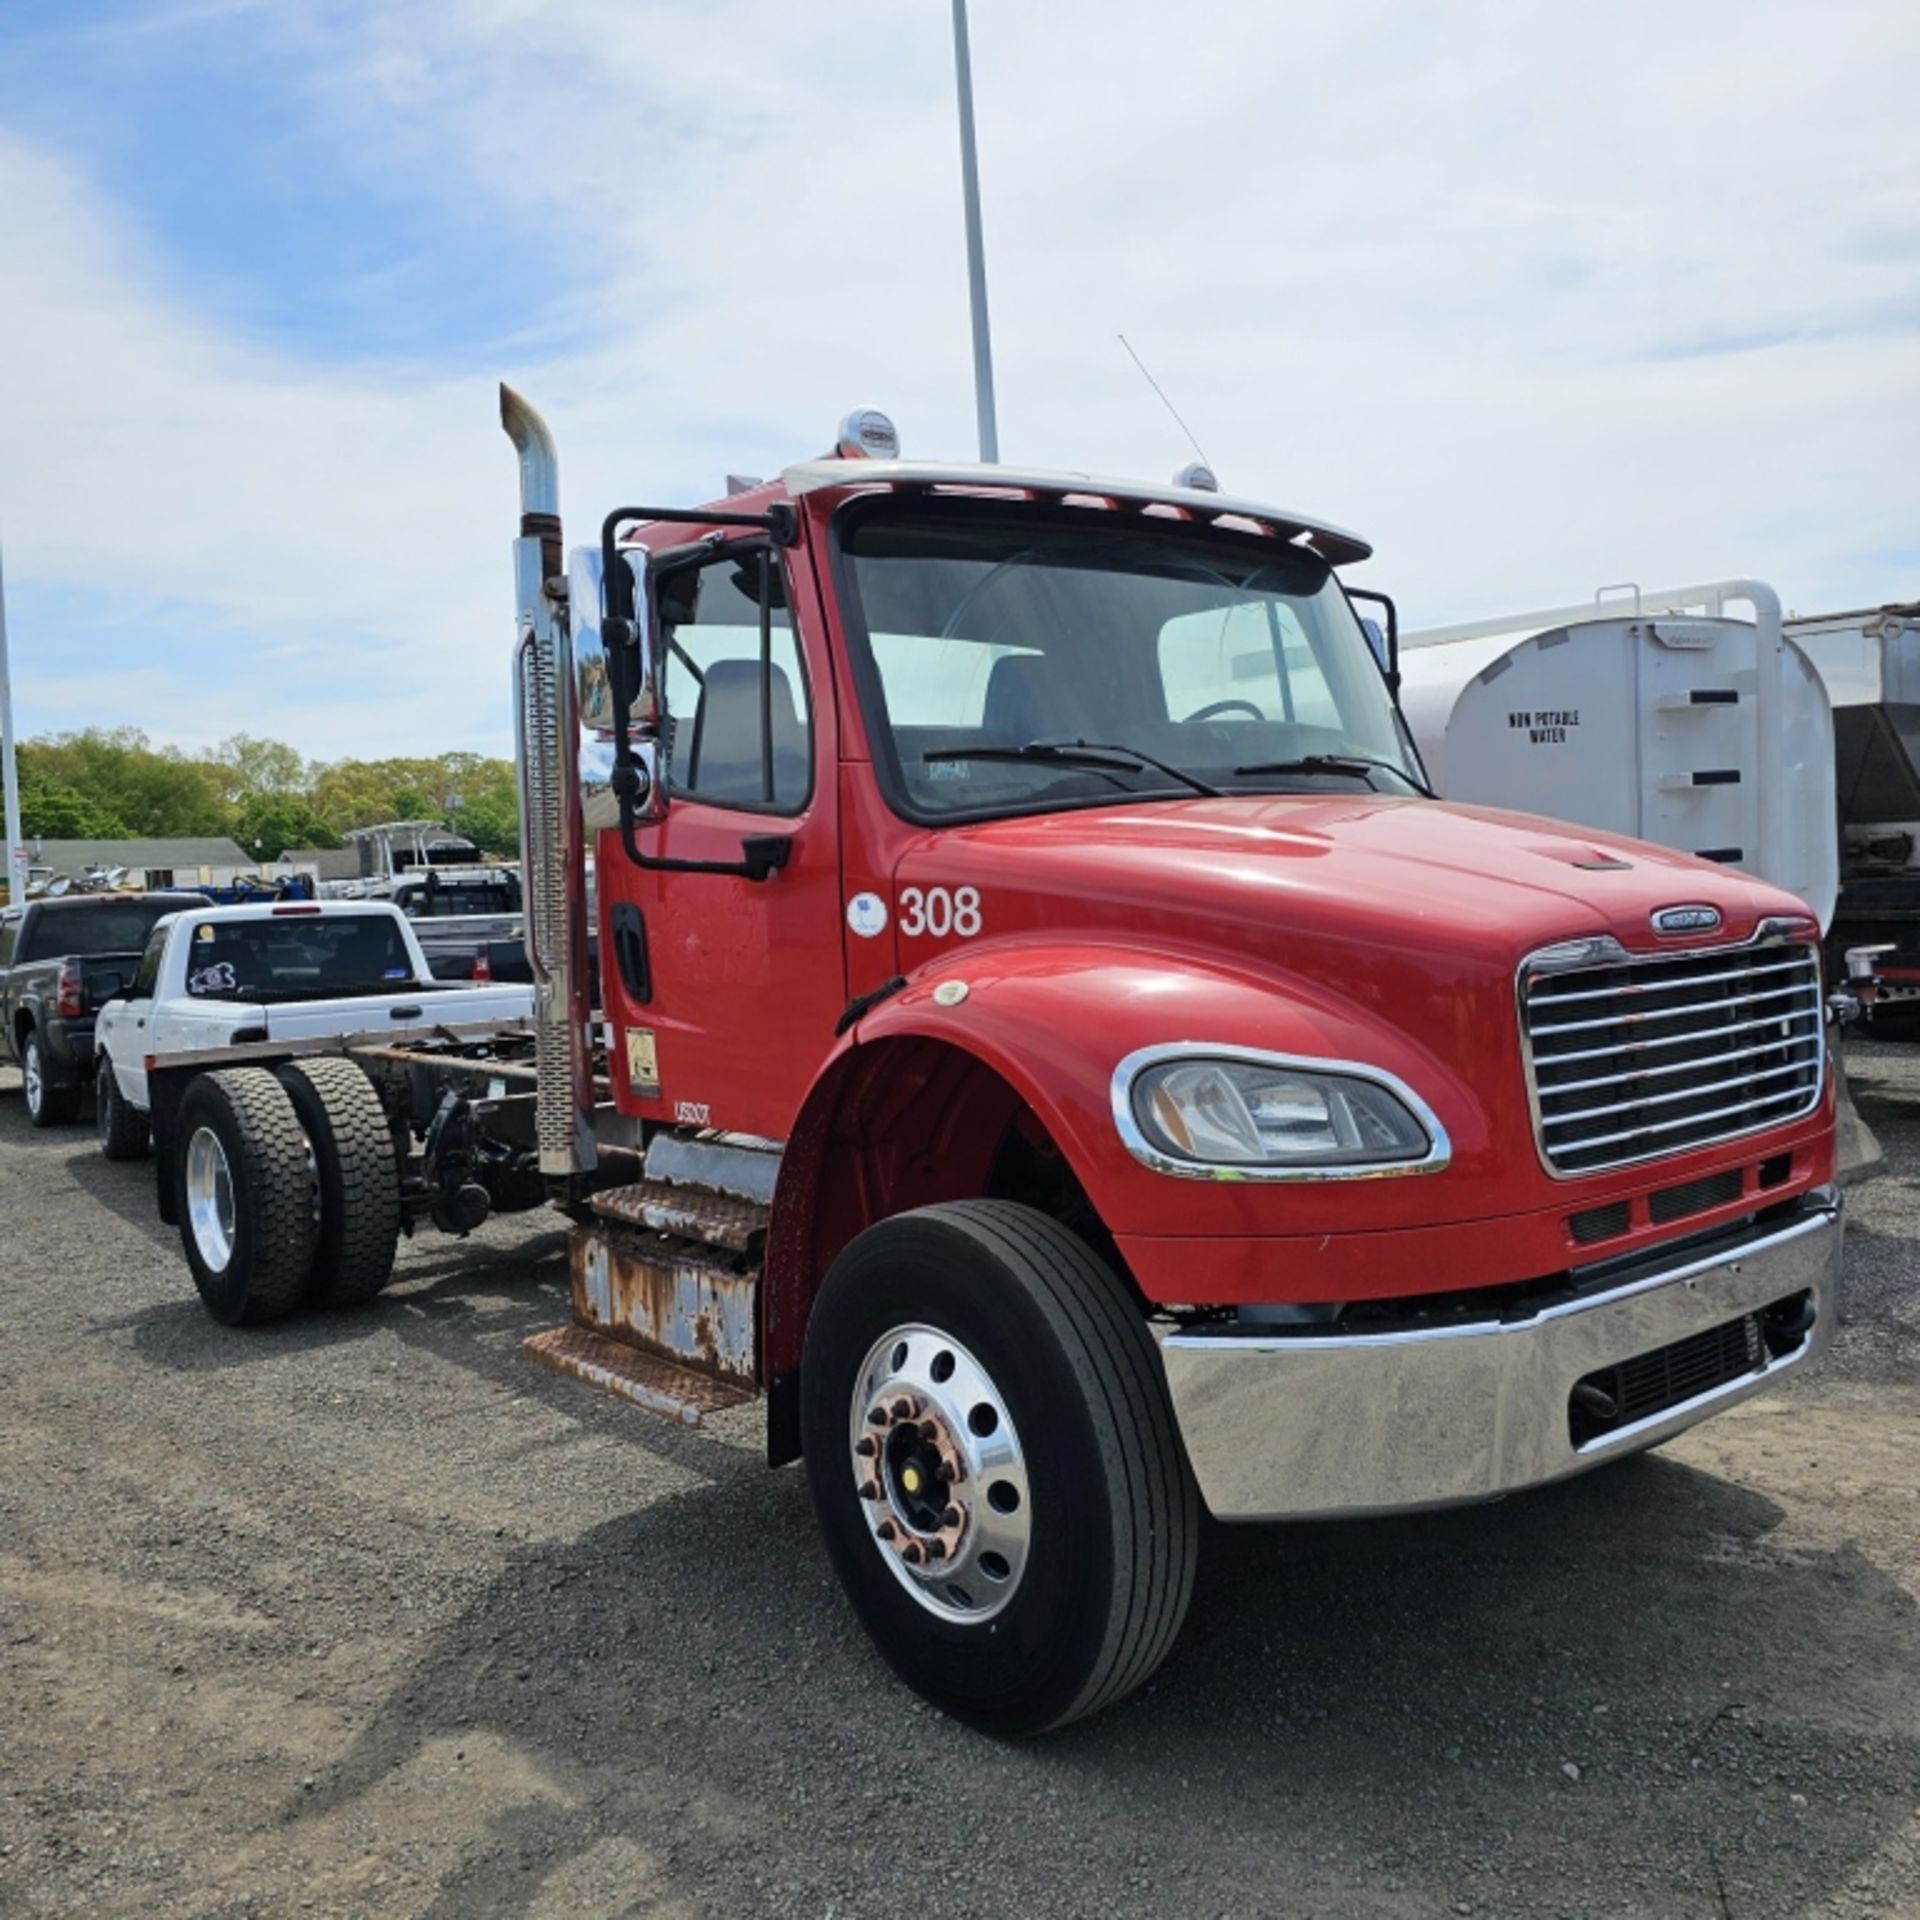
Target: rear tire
[359,1180]
[123,1130]
[47,1106]
[1090,1512]
[244,1190]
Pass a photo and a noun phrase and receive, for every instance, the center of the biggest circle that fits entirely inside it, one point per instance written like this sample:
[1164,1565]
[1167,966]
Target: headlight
[1209,1112]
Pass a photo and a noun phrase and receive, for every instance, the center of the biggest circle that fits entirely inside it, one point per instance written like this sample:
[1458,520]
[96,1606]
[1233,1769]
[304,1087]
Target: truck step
[696,1308]
[725,1163]
[689,1213]
[644,1378]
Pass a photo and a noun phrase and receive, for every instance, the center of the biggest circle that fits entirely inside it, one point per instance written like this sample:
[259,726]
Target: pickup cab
[58,960]
[218,978]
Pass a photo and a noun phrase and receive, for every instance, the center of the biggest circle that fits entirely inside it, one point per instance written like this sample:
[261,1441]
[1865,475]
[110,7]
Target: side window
[1256,653]
[148,972]
[9,933]
[710,616]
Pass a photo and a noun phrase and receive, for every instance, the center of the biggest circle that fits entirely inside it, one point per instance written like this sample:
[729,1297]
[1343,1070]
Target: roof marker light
[1197,475]
[867,434]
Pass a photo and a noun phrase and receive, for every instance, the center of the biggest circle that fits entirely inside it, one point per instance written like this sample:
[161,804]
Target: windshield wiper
[1364,765]
[1076,753]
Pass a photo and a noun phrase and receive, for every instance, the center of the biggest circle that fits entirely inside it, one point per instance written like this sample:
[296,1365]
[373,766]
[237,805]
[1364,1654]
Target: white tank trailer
[1650,714]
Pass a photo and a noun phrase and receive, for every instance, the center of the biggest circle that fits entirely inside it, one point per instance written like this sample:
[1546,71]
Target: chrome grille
[1634,1058]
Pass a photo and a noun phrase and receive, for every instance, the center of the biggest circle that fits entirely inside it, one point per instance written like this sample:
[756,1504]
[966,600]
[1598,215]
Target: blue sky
[1537,297]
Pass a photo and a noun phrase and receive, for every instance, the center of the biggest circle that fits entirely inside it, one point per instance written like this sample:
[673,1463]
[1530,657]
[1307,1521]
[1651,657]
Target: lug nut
[936,1549]
[946,1472]
[878,1417]
[866,1446]
[871,1490]
[911,1553]
[951,1518]
[885,1529]
[902,1408]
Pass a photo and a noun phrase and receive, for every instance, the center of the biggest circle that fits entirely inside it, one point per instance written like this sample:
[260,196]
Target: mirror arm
[766,676]
[1391,671]
[761,854]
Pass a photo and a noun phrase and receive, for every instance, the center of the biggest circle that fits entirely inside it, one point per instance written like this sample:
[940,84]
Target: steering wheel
[1216,707]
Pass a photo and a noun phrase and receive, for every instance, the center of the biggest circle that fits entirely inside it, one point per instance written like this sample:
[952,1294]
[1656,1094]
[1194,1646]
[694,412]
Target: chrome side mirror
[617,666]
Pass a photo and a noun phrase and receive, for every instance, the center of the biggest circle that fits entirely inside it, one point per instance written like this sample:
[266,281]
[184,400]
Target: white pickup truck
[218,977]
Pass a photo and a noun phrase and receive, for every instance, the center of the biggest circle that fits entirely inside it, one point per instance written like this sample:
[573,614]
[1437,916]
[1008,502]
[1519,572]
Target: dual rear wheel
[287,1189]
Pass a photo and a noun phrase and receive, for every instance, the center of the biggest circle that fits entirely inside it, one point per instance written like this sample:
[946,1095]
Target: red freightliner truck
[1018,898]
[1050,1044]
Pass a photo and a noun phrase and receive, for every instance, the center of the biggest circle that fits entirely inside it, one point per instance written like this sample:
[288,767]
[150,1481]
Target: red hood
[1315,881]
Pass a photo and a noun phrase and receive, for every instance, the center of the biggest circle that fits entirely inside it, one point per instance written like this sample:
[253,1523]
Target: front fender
[1055,1020]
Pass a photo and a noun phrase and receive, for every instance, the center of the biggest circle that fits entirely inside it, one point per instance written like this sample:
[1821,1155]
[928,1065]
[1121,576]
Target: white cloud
[1536,297]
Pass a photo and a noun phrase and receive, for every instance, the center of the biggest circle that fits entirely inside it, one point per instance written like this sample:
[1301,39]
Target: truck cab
[1078,1072]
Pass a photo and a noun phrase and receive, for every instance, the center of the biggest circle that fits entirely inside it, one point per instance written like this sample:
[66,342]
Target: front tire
[123,1129]
[353,1156]
[47,1105]
[245,1193]
[981,1349]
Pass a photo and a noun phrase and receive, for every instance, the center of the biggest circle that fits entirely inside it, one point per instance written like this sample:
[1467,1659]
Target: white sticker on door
[867,915]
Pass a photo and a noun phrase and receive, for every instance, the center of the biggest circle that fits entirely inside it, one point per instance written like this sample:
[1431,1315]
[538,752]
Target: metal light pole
[16,857]
[976,258]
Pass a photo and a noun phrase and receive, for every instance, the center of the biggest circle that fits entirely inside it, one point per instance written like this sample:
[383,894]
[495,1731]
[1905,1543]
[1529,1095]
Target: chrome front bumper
[1296,1424]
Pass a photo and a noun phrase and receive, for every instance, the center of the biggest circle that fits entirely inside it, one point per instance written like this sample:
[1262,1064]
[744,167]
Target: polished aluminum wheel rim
[30,1082]
[940,1475]
[210,1199]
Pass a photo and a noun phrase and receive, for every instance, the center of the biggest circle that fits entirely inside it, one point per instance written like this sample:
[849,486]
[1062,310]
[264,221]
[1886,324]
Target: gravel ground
[370,1616]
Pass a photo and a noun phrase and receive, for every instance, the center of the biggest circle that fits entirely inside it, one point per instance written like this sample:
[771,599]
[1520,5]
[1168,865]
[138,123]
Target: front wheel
[995,1465]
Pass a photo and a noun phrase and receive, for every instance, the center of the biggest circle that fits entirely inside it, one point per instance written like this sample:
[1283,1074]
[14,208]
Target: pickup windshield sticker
[217,978]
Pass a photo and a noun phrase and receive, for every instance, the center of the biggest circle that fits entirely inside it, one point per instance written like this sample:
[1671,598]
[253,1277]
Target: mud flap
[1857,1154]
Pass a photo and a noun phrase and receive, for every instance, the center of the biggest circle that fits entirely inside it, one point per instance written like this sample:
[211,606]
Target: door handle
[630,950]
[403,1013]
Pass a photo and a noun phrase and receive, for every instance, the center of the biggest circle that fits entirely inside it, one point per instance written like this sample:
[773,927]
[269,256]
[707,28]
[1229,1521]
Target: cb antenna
[1168,404]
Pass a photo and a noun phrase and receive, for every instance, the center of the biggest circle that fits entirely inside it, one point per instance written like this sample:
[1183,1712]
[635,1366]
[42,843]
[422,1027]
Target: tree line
[111,784]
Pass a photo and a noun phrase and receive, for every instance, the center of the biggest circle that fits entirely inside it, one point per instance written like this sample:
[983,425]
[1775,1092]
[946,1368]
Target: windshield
[1233,666]
[89,928]
[297,956]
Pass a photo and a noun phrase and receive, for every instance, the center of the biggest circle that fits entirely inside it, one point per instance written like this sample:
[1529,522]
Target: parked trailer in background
[1658,717]
[1870,661]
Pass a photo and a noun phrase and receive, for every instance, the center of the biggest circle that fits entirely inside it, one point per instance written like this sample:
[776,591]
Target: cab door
[128,1021]
[723,990]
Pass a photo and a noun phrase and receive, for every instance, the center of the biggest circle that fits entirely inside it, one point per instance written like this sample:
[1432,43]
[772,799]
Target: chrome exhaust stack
[546,762]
